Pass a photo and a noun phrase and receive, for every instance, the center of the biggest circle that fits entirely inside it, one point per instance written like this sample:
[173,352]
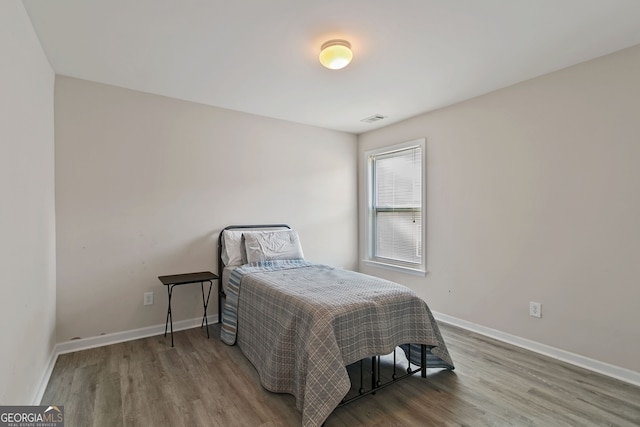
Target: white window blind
[396,206]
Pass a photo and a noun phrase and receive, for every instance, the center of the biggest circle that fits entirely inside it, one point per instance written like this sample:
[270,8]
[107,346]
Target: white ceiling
[260,56]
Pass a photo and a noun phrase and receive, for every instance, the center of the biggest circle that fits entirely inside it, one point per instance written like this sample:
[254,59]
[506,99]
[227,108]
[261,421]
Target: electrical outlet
[148,298]
[535,309]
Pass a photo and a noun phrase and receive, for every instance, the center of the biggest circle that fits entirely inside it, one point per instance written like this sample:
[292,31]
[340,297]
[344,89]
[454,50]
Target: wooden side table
[184,279]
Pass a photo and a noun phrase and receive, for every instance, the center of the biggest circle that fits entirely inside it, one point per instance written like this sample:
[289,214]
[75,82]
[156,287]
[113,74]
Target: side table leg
[205,304]
[169,320]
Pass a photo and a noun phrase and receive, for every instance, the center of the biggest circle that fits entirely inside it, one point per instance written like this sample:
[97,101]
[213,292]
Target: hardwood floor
[204,382]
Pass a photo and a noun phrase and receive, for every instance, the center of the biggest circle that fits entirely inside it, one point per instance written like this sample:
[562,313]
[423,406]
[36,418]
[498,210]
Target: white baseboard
[108,339]
[45,377]
[133,334]
[613,371]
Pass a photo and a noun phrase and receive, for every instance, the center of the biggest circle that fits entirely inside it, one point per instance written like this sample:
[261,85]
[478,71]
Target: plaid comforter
[301,324]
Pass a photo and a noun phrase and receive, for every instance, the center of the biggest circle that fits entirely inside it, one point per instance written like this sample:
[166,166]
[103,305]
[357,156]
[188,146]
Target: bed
[301,324]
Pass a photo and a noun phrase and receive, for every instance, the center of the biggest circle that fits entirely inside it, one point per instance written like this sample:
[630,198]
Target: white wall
[144,184]
[533,194]
[27,215]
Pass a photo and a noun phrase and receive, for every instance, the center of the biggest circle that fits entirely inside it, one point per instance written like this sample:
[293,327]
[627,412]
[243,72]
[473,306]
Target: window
[395,214]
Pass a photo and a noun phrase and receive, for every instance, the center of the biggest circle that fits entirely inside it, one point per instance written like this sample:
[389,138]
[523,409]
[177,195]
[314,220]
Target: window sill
[401,269]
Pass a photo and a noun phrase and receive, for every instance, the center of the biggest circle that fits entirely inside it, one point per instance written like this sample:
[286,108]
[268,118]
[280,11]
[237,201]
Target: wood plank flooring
[203,382]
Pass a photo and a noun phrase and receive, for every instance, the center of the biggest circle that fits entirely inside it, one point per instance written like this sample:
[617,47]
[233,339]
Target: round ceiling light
[335,54]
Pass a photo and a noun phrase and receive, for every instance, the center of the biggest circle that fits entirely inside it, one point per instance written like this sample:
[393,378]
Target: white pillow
[233,252]
[277,245]
[231,247]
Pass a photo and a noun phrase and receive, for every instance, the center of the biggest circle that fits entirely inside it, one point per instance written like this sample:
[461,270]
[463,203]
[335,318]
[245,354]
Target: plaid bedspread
[301,324]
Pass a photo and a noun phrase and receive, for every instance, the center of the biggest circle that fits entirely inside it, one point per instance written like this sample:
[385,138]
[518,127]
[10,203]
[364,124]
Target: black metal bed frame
[374,370]
[375,373]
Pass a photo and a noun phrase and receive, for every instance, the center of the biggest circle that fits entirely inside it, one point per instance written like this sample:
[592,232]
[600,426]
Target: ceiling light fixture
[335,54]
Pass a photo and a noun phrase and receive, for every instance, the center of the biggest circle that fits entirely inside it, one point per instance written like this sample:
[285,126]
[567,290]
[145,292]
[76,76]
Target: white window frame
[370,239]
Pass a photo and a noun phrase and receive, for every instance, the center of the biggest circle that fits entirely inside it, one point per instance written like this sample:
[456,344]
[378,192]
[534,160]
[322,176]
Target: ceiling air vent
[373,118]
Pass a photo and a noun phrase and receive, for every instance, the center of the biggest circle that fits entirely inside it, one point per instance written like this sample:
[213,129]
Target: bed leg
[374,374]
[221,296]
[361,390]
[423,361]
[395,364]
